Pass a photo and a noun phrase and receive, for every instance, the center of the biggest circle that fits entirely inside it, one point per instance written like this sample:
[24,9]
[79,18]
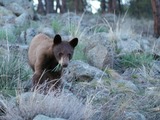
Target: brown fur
[46,53]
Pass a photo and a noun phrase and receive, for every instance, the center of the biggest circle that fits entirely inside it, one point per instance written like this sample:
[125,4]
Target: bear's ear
[57,39]
[74,42]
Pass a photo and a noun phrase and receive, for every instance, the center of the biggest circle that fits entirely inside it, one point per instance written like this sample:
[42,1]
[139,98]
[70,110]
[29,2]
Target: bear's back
[38,46]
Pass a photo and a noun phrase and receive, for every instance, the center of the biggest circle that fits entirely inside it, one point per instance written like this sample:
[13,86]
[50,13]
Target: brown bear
[45,54]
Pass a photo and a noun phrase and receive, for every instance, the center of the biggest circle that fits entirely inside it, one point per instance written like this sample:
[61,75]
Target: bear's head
[63,50]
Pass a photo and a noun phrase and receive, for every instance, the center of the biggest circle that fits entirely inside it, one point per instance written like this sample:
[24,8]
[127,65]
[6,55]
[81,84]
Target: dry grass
[62,105]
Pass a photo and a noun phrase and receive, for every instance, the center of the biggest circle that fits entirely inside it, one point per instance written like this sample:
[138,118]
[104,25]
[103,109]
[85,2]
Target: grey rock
[21,5]
[146,44]
[5,12]
[99,51]
[157,47]
[3,51]
[99,57]
[128,46]
[7,19]
[27,36]
[47,30]
[98,38]
[23,20]
[81,71]
[85,80]
[43,117]
[134,116]
[151,91]
[155,70]
[6,16]
[16,8]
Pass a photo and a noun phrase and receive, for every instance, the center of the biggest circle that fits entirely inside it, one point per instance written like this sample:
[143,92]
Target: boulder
[7,19]
[43,117]
[27,36]
[81,71]
[155,70]
[7,16]
[23,20]
[99,51]
[99,57]
[5,12]
[152,91]
[3,51]
[16,8]
[128,46]
[157,47]
[46,30]
[98,38]
[23,5]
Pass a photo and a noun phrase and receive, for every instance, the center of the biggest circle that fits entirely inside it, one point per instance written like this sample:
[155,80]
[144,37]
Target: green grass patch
[135,60]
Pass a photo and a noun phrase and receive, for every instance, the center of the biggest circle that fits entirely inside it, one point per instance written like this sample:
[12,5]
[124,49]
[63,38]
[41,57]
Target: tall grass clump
[13,71]
[122,28]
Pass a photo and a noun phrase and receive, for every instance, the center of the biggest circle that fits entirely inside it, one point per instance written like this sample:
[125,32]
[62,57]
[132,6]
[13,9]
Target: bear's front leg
[36,78]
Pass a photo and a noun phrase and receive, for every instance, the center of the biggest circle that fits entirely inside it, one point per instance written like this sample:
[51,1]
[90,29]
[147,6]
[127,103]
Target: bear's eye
[60,54]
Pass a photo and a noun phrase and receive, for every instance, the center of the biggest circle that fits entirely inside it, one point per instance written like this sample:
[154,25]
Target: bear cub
[45,54]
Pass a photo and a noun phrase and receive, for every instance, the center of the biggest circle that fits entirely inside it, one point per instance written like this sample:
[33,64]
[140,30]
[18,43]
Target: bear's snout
[64,61]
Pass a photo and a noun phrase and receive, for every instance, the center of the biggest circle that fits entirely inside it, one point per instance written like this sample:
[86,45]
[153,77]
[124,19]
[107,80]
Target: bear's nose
[64,65]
